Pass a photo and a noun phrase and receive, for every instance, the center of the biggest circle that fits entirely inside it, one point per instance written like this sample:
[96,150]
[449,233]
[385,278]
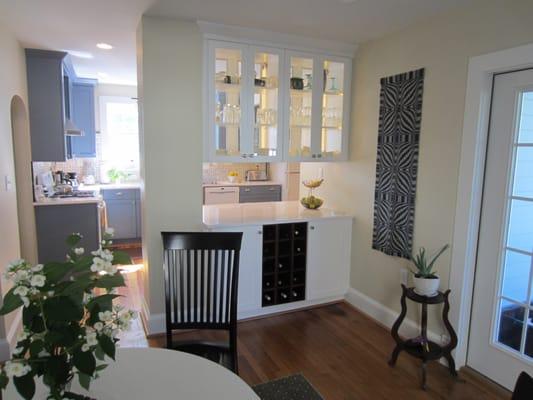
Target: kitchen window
[119,139]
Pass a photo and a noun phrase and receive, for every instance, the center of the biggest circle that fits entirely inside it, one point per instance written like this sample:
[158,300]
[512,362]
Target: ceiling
[77,25]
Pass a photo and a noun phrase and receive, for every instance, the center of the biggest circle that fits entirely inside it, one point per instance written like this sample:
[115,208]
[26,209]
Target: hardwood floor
[344,355]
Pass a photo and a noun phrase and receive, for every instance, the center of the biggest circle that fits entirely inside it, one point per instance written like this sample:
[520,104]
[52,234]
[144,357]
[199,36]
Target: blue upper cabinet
[46,99]
[60,106]
[83,116]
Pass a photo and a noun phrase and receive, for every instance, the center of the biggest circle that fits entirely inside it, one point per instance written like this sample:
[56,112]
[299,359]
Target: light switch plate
[8,183]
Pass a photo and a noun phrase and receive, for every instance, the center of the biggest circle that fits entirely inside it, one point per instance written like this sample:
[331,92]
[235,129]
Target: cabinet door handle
[260,232]
[312,227]
[298,249]
[119,193]
[296,233]
[314,156]
[247,190]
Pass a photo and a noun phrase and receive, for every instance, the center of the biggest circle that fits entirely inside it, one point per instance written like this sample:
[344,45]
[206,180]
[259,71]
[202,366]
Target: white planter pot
[232,179]
[426,286]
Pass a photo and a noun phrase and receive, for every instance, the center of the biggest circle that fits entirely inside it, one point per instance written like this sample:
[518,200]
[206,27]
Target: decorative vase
[426,286]
[232,179]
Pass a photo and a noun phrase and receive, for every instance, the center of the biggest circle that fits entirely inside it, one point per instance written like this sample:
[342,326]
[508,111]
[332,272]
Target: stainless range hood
[71,129]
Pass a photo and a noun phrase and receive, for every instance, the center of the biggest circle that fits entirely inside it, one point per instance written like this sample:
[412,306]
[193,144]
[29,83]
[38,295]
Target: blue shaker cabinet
[123,212]
[83,116]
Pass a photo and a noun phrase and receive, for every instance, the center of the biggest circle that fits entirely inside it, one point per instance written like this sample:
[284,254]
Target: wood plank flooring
[343,353]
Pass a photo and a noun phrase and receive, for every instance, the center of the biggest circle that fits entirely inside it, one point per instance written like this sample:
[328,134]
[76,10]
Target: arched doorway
[23,177]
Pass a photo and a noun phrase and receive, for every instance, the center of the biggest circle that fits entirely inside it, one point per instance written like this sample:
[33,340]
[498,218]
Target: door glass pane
[529,336]
[332,108]
[521,225]
[516,268]
[300,108]
[511,323]
[266,67]
[228,67]
[523,178]
[526,119]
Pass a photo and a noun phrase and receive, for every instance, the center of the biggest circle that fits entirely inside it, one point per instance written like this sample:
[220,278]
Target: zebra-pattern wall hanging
[400,115]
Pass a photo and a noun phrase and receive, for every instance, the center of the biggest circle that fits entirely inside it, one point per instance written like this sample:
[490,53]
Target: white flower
[21,275]
[25,301]
[15,263]
[91,339]
[16,369]
[98,326]
[38,280]
[98,264]
[106,316]
[21,291]
[107,255]
[79,251]
[85,347]
[18,350]
[23,335]
[109,231]
[110,268]
[37,268]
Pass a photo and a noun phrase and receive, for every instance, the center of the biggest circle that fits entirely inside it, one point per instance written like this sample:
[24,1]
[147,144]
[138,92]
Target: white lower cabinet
[328,265]
[249,267]
[328,258]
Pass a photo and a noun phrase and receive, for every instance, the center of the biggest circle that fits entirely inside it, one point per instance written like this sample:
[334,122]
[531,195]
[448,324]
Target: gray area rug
[293,387]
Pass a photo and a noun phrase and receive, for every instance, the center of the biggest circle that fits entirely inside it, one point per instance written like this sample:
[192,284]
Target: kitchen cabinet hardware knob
[280,266]
[260,232]
[298,249]
[280,283]
[296,233]
[294,294]
[283,295]
[314,156]
[312,227]
[267,284]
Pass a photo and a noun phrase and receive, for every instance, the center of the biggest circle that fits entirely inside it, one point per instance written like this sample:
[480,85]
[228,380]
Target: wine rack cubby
[284,263]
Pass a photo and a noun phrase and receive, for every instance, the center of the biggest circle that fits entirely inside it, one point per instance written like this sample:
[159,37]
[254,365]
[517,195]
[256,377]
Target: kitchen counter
[245,183]
[100,186]
[67,200]
[229,215]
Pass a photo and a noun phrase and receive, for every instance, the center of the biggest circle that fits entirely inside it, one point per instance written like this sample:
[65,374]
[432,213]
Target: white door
[501,335]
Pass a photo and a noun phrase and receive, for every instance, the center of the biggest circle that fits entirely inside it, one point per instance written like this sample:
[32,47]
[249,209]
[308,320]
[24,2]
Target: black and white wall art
[400,116]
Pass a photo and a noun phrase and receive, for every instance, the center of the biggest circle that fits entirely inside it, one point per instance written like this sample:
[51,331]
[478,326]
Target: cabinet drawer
[121,194]
[253,194]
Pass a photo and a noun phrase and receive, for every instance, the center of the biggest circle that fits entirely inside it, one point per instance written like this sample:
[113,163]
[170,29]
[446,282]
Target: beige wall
[170,63]
[443,46]
[12,83]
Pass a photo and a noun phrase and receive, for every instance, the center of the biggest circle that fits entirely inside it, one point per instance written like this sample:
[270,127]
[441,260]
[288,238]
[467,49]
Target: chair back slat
[201,280]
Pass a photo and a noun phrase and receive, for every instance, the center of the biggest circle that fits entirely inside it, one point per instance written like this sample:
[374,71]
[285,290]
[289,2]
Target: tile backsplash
[218,172]
[82,166]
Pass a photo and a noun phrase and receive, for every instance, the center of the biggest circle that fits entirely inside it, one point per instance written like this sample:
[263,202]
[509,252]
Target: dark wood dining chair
[523,389]
[201,285]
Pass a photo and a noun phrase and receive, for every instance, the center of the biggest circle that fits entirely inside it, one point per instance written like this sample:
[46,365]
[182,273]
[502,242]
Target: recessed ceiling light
[79,54]
[104,46]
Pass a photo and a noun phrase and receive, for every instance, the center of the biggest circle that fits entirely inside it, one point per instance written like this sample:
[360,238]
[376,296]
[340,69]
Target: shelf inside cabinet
[334,92]
[227,87]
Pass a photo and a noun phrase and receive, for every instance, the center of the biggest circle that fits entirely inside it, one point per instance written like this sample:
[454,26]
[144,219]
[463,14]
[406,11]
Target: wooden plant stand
[421,347]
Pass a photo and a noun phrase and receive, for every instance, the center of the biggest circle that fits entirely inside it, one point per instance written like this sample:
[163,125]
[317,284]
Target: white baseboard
[386,316]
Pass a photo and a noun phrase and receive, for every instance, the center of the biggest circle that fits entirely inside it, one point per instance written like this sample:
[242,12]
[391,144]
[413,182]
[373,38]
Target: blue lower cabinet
[123,212]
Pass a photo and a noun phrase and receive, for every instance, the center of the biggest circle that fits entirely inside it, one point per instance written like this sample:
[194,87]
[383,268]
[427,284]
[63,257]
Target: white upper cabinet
[269,104]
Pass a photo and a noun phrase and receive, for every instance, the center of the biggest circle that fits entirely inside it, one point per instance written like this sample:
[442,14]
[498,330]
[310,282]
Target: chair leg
[234,352]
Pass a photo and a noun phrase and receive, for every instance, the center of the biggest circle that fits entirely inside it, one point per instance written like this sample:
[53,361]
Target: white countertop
[245,183]
[67,201]
[100,186]
[227,215]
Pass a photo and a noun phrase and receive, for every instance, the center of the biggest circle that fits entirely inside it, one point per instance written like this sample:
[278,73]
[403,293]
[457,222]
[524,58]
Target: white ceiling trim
[213,30]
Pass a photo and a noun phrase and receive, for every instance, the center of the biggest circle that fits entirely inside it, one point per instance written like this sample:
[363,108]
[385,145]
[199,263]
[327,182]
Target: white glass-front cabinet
[244,103]
[268,104]
[318,107]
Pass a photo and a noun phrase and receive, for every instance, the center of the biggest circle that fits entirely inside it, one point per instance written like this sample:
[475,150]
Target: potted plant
[425,280]
[310,201]
[70,324]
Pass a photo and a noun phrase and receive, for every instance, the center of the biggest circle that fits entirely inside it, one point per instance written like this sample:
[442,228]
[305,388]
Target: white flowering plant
[70,324]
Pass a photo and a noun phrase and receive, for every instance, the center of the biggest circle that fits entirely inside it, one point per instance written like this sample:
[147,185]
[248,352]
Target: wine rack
[284,263]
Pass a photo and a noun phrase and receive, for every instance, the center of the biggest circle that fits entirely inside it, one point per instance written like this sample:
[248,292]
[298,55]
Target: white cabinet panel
[250,267]
[328,257]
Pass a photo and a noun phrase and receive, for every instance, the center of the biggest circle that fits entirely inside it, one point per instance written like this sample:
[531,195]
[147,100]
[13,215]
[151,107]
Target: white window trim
[481,70]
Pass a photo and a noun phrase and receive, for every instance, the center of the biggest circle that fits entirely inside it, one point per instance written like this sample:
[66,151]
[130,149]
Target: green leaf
[101,367]
[79,285]
[55,271]
[56,371]
[84,361]
[110,281]
[83,264]
[105,302]
[11,302]
[62,309]
[108,346]
[122,258]
[4,380]
[36,347]
[85,380]
[29,314]
[99,353]
[73,240]
[25,386]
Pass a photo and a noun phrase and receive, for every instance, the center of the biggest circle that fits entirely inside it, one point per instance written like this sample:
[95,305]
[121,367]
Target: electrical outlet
[404,276]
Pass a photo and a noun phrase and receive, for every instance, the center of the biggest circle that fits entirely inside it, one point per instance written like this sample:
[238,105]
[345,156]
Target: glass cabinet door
[225,100]
[334,97]
[300,106]
[266,104]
